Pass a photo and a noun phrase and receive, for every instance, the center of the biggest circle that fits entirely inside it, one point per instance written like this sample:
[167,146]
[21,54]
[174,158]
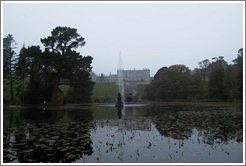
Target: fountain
[121,94]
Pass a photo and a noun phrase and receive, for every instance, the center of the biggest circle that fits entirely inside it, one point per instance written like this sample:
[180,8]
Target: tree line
[42,71]
[214,80]
[34,75]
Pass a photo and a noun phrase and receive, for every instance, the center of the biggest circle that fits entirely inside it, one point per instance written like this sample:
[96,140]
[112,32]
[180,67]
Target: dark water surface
[134,134]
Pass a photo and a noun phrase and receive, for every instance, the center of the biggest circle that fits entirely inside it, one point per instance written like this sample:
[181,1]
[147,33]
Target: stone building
[140,76]
[136,76]
[131,79]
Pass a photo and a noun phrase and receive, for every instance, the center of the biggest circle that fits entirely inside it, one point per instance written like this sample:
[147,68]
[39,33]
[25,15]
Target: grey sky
[149,35]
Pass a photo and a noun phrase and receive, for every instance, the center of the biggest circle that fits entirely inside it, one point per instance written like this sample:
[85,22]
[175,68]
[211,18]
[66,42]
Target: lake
[136,133]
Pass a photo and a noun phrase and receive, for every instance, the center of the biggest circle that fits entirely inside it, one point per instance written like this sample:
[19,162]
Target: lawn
[100,89]
[105,89]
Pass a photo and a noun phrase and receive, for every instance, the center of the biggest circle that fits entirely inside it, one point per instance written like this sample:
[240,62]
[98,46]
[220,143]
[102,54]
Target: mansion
[136,76]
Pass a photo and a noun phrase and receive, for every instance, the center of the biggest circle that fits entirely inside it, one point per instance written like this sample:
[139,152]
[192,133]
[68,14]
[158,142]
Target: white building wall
[141,76]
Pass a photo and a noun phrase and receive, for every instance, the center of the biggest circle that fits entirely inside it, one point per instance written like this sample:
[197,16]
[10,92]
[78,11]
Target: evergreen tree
[21,72]
[9,59]
[80,90]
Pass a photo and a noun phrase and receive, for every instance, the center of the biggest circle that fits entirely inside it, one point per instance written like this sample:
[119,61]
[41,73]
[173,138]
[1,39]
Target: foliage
[106,98]
[219,63]
[80,89]
[230,83]
[212,81]
[21,72]
[46,68]
[27,66]
[170,82]
[37,91]
[158,73]
[9,55]
[196,81]
[9,58]
[60,97]
[216,88]
[205,69]
[216,79]
[60,59]
[239,65]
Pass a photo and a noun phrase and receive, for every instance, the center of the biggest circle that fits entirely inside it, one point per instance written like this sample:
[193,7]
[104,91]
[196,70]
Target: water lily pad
[55,137]
[64,150]
[29,151]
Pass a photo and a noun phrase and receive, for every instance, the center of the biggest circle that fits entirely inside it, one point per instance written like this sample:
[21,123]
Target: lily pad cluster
[223,123]
[163,133]
[44,142]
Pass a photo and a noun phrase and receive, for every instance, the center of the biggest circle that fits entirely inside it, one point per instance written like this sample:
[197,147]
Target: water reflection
[79,115]
[41,115]
[186,134]
[51,139]
[211,122]
[119,109]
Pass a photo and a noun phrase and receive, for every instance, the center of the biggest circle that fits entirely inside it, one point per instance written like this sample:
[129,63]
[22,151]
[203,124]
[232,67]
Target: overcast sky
[148,35]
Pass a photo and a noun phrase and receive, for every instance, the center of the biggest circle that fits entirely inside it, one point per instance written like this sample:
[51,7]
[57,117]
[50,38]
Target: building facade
[141,76]
[131,79]
[136,76]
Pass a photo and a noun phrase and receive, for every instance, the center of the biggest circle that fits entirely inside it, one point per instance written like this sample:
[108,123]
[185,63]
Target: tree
[204,69]
[216,88]
[218,62]
[9,58]
[80,89]
[101,79]
[238,63]
[170,83]
[216,79]
[34,86]
[158,73]
[60,57]
[27,59]
[179,79]
[39,86]
[21,71]
[230,83]
[196,80]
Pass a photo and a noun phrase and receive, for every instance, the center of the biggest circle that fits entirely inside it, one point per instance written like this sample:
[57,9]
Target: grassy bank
[101,91]
[105,92]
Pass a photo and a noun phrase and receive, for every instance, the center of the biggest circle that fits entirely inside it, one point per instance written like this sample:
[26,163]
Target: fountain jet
[121,99]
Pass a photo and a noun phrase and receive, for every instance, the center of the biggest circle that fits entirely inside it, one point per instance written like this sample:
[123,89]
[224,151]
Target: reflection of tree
[11,118]
[46,142]
[212,123]
[41,115]
[169,124]
[133,119]
[79,115]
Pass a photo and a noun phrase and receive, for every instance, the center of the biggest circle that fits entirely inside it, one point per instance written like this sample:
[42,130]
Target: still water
[170,133]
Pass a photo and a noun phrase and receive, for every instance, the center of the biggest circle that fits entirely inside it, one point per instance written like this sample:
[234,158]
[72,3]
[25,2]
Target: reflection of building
[131,91]
[129,121]
[142,124]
